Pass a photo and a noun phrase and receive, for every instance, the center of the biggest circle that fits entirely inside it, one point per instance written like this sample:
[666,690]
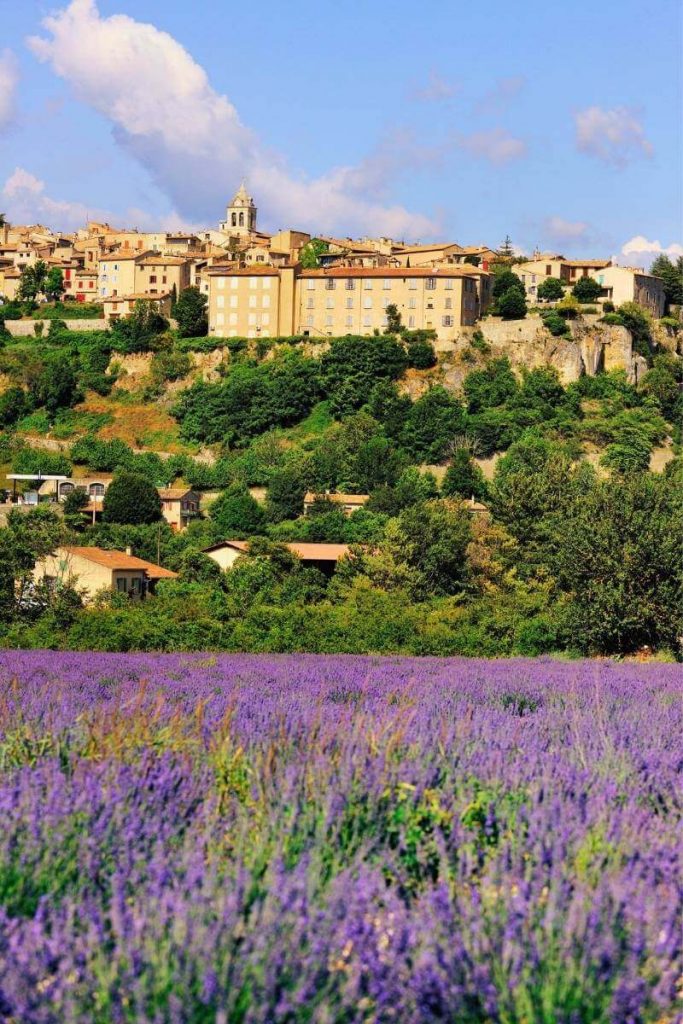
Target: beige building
[631,284]
[92,570]
[265,301]
[10,279]
[179,506]
[318,556]
[126,272]
[80,285]
[117,306]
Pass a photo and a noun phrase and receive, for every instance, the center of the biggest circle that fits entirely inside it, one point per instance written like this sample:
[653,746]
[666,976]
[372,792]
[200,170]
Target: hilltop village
[291,441]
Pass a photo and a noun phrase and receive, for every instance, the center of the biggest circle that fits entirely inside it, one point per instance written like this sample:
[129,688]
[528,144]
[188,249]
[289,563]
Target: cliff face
[527,343]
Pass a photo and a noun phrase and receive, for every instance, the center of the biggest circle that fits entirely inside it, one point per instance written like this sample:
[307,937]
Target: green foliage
[15,403]
[310,254]
[251,399]
[54,284]
[555,323]
[672,275]
[612,318]
[639,323]
[569,307]
[490,387]
[550,289]
[138,331]
[507,281]
[512,305]
[432,423]
[190,313]
[33,280]
[464,478]
[587,289]
[393,319]
[131,499]
[352,366]
[421,355]
[35,460]
[236,514]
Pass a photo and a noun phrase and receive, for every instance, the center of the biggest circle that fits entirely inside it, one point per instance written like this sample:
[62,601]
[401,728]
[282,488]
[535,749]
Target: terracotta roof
[588,263]
[135,296]
[120,560]
[173,493]
[167,261]
[343,499]
[122,254]
[252,271]
[457,270]
[427,248]
[307,552]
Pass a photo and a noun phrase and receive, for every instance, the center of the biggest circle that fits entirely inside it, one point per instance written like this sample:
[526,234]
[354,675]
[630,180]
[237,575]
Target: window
[265,301]
[309,321]
[164,280]
[253,282]
[241,220]
[330,284]
[350,284]
[367,321]
[386,284]
[122,584]
[329,320]
[384,322]
[221,283]
[367,302]
[310,284]
[430,284]
[449,284]
[220,319]
[349,321]
[329,303]
[265,319]
[446,321]
[233,302]
[252,302]
[411,321]
[233,319]
[234,220]
[386,299]
[265,283]
[310,302]
[252,319]
[448,304]
[234,283]
[412,284]
[548,270]
[349,303]
[412,302]
[367,285]
[220,301]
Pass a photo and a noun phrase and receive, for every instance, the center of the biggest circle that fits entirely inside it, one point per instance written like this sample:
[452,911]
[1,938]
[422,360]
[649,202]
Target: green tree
[28,537]
[54,284]
[619,556]
[491,386]
[136,333]
[464,478]
[506,249]
[57,386]
[586,289]
[433,421]
[131,499]
[421,355]
[393,319]
[14,404]
[310,254]
[190,313]
[512,305]
[431,539]
[672,275]
[286,490]
[73,506]
[33,280]
[505,281]
[550,289]
[237,514]
[356,363]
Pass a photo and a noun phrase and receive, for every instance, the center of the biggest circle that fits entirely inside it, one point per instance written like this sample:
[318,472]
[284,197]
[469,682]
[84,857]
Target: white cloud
[437,89]
[561,230]
[189,137]
[496,145]
[9,78]
[499,97]
[640,251]
[614,136]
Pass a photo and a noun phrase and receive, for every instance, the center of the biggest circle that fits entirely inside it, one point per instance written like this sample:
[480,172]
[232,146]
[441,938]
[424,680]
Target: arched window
[65,488]
[234,220]
[241,220]
[96,490]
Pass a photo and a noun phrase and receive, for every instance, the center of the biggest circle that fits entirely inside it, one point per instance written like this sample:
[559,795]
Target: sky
[558,125]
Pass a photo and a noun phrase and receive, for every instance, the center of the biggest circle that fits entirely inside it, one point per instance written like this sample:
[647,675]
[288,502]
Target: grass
[316,423]
[69,311]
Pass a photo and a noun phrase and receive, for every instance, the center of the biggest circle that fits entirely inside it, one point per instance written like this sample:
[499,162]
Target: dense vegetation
[574,554]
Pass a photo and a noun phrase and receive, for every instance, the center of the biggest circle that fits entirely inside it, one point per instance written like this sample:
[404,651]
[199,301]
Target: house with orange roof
[324,557]
[91,570]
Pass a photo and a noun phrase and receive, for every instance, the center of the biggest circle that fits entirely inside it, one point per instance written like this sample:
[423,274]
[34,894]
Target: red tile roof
[120,560]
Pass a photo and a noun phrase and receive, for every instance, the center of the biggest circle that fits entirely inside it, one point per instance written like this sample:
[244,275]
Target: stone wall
[26,328]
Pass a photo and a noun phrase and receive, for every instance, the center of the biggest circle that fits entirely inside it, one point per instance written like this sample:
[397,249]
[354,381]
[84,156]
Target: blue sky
[558,124]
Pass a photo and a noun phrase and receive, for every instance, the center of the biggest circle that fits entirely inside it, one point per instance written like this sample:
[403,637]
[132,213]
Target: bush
[507,281]
[421,355]
[551,289]
[555,323]
[608,306]
[587,289]
[612,318]
[131,499]
[190,313]
[512,305]
[236,514]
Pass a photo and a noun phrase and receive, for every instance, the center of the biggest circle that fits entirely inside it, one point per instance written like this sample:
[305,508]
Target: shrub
[421,355]
[551,289]
[236,514]
[131,499]
[512,305]
[507,281]
[190,313]
[612,318]
[555,323]
[586,289]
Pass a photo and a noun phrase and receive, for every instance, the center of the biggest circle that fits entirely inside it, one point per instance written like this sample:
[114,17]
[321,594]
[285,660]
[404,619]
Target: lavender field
[236,839]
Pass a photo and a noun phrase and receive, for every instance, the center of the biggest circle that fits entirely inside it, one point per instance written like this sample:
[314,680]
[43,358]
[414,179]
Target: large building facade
[267,301]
